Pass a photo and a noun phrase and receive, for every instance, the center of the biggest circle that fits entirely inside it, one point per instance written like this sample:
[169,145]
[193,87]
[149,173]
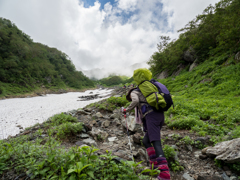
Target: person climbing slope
[152,122]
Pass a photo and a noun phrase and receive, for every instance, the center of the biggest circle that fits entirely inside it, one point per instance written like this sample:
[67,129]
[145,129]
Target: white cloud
[181,12]
[95,38]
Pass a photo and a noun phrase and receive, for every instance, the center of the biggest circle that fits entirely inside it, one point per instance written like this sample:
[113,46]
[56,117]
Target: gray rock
[87,110]
[229,173]
[202,156]
[116,122]
[189,147]
[234,178]
[79,143]
[163,75]
[80,111]
[106,123]
[137,138]
[193,65]
[237,56]
[95,133]
[112,139]
[228,151]
[83,135]
[197,154]
[99,115]
[204,151]
[114,115]
[189,55]
[225,177]
[106,117]
[187,177]
[90,142]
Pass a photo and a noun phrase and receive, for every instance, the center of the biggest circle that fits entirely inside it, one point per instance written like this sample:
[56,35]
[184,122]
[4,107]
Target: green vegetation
[170,154]
[111,103]
[215,33]
[49,161]
[206,107]
[26,66]
[113,80]
[206,100]
[43,157]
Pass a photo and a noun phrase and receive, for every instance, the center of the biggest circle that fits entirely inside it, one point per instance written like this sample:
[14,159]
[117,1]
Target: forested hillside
[210,35]
[114,80]
[26,65]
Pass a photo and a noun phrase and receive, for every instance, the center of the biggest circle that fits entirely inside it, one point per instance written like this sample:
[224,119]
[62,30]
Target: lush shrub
[118,101]
[236,132]
[184,123]
[61,118]
[68,129]
[170,154]
[50,161]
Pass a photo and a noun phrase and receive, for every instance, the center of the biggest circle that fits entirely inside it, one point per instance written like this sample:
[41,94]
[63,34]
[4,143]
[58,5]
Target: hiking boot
[162,165]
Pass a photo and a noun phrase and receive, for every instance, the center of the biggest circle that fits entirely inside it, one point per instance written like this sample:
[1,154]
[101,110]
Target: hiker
[152,122]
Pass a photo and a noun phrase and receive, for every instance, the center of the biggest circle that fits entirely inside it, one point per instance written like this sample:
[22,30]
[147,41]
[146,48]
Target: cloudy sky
[110,34]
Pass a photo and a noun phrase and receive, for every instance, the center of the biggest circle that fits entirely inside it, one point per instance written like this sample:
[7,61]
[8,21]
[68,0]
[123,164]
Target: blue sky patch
[88,3]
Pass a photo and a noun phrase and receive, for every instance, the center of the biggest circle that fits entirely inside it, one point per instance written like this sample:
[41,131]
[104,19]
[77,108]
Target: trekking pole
[125,116]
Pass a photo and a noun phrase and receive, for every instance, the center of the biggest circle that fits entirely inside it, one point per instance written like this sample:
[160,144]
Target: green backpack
[142,77]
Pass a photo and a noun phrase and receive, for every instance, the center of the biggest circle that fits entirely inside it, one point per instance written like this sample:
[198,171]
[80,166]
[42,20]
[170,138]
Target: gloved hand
[123,110]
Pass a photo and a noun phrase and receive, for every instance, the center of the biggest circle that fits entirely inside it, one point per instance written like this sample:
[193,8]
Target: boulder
[99,115]
[189,55]
[193,65]
[106,123]
[116,122]
[95,133]
[90,142]
[237,56]
[114,115]
[137,138]
[163,75]
[228,151]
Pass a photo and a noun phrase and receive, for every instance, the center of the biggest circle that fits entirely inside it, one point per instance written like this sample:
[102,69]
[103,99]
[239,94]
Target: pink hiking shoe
[163,167]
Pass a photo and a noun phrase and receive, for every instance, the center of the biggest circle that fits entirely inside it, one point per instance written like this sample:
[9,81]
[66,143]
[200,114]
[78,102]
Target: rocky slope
[106,130]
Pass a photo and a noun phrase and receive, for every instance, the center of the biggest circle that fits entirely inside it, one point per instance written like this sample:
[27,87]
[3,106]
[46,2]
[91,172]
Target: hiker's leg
[150,151]
[146,142]
[158,148]
[154,122]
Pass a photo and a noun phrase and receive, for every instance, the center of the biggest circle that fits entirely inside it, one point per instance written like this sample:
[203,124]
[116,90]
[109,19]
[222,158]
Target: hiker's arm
[134,103]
